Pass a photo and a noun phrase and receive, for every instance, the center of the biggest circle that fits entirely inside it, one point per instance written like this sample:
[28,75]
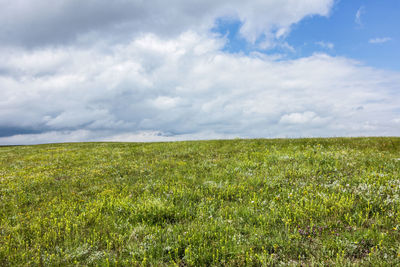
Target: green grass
[238,202]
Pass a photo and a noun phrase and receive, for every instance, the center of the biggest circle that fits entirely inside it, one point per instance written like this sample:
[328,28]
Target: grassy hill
[237,202]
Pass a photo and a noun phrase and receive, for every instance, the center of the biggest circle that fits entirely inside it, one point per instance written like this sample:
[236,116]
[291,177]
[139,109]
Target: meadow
[333,201]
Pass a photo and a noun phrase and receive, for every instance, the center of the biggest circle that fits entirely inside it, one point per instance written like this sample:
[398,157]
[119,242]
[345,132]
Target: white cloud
[326,45]
[359,13]
[379,40]
[302,118]
[155,88]
[48,137]
[95,136]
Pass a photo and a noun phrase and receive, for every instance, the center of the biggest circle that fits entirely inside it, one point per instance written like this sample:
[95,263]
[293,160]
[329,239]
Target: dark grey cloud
[6,131]
[56,22]
[47,22]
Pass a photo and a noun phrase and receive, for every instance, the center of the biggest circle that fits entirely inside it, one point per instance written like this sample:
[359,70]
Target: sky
[135,70]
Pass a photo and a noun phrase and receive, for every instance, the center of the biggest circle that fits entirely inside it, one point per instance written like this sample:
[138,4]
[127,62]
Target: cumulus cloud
[302,118]
[154,71]
[44,22]
[379,40]
[185,87]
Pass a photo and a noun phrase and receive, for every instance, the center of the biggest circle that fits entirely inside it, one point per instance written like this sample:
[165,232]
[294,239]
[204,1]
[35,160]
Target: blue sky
[351,36]
[127,70]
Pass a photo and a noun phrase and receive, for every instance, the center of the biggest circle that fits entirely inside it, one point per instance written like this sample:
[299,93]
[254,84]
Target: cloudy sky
[155,70]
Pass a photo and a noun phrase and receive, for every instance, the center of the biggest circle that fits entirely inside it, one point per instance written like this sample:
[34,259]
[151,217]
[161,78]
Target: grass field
[238,202]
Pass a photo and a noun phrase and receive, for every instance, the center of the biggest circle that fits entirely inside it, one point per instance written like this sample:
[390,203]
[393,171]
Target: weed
[202,203]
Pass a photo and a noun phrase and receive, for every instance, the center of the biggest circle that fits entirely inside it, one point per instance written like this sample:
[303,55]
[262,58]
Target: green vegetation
[237,202]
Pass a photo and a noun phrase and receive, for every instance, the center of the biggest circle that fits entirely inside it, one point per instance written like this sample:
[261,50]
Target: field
[202,203]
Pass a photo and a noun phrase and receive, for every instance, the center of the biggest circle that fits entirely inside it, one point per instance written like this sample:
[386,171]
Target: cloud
[69,21]
[379,40]
[47,137]
[92,136]
[301,118]
[359,13]
[154,71]
[326,45]
[185,87]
